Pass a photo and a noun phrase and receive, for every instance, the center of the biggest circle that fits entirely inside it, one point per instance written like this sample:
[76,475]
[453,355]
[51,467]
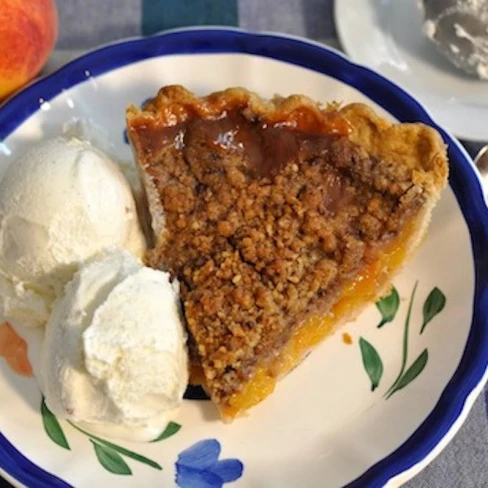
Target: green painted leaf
[129,454]
[111,460]
[412,372]
[372,362]
[52,427]
[171,429]
[434,304]
[405,341]
[388,307]
[119,449]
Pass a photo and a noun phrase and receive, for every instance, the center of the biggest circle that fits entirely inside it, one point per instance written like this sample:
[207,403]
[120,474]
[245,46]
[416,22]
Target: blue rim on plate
[393,99]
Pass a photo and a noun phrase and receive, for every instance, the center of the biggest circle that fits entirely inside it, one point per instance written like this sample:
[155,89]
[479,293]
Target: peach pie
[281,219]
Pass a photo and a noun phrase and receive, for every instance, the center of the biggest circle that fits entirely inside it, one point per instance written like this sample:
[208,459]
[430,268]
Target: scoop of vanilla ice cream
[97,135]
[114,352]
[60,204]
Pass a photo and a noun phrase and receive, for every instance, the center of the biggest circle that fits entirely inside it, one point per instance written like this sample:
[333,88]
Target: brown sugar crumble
[265,220]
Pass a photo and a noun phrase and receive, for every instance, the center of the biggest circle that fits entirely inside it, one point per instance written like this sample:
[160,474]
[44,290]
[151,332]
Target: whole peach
[28,31]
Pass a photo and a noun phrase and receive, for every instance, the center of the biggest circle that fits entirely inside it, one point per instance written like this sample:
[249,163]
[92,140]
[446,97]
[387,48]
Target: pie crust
[282,219]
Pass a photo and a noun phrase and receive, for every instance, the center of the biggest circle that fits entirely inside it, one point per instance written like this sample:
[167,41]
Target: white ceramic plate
[323,426]
[386,35]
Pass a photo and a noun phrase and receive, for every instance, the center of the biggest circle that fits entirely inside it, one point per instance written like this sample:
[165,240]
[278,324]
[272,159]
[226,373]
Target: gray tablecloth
[87,23]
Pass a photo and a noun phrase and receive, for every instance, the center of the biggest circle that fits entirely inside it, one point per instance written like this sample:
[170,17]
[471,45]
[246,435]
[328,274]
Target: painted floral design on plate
[199,465]
[388,307]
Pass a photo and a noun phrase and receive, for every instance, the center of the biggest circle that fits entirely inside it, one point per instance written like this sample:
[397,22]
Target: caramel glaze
[266,145]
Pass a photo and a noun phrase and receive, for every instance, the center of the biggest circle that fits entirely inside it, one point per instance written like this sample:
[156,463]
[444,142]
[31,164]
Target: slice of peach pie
[281,219]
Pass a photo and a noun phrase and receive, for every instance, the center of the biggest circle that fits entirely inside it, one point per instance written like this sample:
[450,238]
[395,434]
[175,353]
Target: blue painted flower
[199,466]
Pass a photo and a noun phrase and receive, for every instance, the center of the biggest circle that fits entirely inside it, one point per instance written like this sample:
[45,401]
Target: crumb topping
[264,224]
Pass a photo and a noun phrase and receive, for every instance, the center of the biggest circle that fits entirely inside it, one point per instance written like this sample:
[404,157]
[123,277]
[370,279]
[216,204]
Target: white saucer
[386,35]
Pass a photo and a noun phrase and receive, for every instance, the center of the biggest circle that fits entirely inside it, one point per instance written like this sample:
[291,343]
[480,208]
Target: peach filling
[361,291]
